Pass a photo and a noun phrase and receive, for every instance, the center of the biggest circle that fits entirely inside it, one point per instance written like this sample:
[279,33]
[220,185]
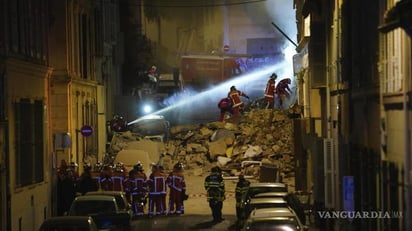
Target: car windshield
[256,190]
[84,208]
[120,202]
[268,205]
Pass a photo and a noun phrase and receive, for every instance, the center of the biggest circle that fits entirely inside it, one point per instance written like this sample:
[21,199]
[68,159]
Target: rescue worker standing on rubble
[283,90]
[235,95]
[225,105]
[157,189]
[215,188]
[270,91]
[177,190]
[241,188]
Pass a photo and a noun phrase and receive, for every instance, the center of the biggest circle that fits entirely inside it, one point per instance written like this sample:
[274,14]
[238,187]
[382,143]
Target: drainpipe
[406,103]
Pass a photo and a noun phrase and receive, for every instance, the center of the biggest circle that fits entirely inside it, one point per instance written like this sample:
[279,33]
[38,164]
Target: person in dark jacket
[241,188]
[215,188]
[86,183]
[66,192]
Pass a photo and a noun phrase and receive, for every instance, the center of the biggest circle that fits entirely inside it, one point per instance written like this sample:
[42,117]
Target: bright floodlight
[147,108]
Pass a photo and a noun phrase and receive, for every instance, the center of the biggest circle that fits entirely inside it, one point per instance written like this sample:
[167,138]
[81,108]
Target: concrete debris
[223,160]
[253,151]
[259,135]
[222,134]
[262,135]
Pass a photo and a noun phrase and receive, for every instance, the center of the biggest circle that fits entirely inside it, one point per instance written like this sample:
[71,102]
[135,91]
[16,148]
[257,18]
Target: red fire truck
[201,71]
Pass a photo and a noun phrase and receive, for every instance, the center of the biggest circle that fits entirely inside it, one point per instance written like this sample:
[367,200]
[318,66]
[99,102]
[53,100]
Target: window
[29,142]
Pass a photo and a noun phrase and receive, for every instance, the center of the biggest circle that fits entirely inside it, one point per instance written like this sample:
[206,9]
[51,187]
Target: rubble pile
[259,135]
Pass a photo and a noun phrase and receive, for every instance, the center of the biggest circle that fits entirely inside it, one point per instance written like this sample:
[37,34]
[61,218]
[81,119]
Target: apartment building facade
[59,61]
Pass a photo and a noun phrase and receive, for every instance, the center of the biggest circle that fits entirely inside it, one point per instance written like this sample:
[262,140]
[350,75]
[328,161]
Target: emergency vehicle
[201,71]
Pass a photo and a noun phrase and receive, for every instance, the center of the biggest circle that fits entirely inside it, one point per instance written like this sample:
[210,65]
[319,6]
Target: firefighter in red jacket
[129,186]
[225,105]
[157,189]
[283,90]
[106,182]
[136,190]
[118,176]
[140,192]
[235,95]
[95,173]
[177,189]
[270,91]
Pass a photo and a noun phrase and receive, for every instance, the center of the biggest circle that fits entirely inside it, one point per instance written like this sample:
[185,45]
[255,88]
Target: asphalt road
[197,212]
[184,222]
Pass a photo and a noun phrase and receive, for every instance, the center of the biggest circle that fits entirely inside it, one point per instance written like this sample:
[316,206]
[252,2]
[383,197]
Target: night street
[106,104]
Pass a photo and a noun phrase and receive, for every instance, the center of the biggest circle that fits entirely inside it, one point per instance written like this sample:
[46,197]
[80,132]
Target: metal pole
[284,34]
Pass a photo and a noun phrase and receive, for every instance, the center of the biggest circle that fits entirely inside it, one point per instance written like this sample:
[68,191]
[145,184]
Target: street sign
[86,130]
[348,193]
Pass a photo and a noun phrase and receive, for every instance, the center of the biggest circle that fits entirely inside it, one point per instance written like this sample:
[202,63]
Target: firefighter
[95,173]
[118,124]
[129,185]
[163,195]
[215,188]
[235,95]
[106,182]
[225,106]
[177,190]
[157,188]
[153,75]
[86,182]
[283,90]
[270,91]
[118,176]
[73,173]
[139,194]
[241,188]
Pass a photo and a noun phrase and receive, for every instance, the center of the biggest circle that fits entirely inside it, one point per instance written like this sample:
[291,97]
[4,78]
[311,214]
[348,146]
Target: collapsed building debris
[260,135]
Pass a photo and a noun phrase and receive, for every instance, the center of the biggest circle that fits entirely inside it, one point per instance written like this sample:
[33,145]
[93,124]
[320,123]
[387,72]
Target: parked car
[258,203]
[271,195]
[280,219]
[69,223]
[291,198]
[103,209]
[256,188]
[120,197]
